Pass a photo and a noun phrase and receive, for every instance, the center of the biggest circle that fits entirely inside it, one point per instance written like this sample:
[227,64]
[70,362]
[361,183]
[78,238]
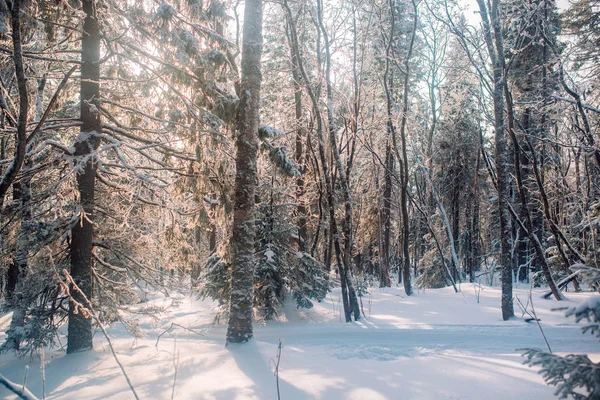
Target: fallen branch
[173,324]
[562,284]
[19,390]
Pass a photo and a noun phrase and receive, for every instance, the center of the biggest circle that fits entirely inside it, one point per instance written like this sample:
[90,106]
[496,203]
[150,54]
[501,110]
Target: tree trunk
[20,266]
[403,160]
[21,138]
[474,265]
[334,233]
[386,216]
[239,328]
[347,225]
[496,54]
[299,155]
[82,234]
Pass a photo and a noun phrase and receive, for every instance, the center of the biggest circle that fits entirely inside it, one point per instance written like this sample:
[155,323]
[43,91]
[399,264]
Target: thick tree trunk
[455,206]
[386,212]
[239,328]
[495,49]
[212,238]
[82,234]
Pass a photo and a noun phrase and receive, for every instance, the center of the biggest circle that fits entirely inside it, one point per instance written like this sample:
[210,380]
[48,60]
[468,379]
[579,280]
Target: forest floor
[436,344]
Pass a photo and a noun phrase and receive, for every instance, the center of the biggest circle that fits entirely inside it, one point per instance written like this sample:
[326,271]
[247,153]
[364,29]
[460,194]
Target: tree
[403,156]
[21,137]
[239,328]
[574,374]
[495,48]
[82,234]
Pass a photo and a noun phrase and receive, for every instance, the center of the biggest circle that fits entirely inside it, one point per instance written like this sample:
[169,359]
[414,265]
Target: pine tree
[82,235]
[239,328]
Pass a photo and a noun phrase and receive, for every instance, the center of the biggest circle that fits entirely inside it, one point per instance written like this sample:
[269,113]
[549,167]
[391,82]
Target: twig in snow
[93,314]
[173,324]
[276,372]
[25,377]
[524,309]
[43,368]
[176,366]
[23,393]
[532,314]
[537,320]
[361,307]
[477,291]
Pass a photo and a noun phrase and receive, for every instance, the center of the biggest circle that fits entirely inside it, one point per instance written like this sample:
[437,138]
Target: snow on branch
[19,390]
[278,157]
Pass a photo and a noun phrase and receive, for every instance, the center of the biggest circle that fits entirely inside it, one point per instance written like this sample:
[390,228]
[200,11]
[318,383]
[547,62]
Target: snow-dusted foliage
[280,270]
[151,135]
[279,158]
[308,281]
[41,303]
[268,132]
[164,12]
[268,280]
[216,279]
[574,375]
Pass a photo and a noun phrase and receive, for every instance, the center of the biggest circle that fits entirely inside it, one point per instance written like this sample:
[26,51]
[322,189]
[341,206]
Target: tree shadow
[250,361]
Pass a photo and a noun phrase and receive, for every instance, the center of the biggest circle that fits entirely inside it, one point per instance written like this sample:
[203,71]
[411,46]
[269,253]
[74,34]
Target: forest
[231,172]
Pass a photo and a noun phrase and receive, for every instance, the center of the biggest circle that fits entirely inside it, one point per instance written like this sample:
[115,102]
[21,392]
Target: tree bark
[21,138]
[386,216]
[299,156]
[496,54]
[239,329]
[82,234]
[334,233]
[386,212]
[524,201]
[474,247]
[347,225]
[403,160]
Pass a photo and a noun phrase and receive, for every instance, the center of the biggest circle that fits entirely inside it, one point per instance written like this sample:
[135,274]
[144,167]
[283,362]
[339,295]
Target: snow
[270,255]
[434,345]
[593,303]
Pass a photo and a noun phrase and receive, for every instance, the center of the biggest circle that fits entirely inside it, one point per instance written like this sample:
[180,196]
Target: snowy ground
[434,345]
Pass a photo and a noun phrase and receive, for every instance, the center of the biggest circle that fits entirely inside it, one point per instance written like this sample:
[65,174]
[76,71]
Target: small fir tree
[574,375]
